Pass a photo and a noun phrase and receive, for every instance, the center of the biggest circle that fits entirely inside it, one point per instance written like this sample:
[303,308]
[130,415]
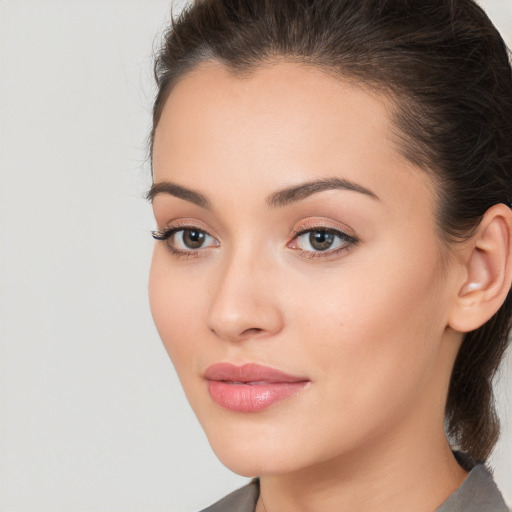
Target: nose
[245,303]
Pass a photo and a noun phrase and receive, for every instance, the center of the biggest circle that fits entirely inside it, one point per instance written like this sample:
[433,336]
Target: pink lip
[250,387]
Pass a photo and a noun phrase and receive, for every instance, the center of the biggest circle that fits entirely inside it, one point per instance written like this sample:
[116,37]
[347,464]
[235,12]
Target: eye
[316,242]
[187,240]
[190,239]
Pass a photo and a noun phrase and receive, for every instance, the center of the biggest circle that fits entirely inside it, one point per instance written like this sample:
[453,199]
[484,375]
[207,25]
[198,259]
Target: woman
[332,183]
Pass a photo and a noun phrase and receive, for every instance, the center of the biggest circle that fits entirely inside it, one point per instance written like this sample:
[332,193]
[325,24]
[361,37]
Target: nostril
[251,332]
[237,336]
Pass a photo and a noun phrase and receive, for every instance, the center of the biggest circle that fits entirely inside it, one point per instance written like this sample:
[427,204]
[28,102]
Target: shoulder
[476,494]
[242,500]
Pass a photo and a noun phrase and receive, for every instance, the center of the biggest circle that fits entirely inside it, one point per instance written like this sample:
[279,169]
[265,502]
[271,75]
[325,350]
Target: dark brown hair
[448,71]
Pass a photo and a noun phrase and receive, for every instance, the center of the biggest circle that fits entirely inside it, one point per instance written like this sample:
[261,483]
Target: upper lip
[250,372]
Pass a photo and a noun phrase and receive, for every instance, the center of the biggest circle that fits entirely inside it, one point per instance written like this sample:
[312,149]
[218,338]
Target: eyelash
[167,235]
[348,241]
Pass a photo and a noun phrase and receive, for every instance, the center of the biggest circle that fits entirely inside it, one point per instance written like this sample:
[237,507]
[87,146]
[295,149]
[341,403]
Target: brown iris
[321,240]
[193,238]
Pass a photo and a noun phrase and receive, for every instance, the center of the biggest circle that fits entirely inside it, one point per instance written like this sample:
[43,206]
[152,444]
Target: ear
[487,260]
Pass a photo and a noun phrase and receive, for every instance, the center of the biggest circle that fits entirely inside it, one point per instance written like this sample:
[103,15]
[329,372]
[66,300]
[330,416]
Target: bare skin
[367,321]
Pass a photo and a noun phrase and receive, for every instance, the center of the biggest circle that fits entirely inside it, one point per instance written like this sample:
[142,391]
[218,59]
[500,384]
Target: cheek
[176,306]
[377,321]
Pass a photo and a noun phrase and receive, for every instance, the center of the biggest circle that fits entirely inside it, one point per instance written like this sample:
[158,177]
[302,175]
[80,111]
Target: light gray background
[92,417]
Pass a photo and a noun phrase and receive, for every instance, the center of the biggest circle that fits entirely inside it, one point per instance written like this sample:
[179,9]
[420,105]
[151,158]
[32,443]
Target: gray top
[478,493]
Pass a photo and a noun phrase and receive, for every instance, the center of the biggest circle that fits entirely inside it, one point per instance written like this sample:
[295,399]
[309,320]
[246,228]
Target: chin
[252,448]
[251,462]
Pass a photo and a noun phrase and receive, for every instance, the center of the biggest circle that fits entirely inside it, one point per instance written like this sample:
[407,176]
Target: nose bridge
[244,303]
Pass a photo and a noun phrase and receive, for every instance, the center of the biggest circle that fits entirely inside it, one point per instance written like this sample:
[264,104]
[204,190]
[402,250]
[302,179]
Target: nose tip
[233,321]
[244,306]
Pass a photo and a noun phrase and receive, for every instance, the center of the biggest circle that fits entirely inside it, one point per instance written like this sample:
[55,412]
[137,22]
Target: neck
[417,477]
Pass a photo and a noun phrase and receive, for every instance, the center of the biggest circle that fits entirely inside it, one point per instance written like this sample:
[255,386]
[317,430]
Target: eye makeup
[321,242]
[311,242]
[185,240]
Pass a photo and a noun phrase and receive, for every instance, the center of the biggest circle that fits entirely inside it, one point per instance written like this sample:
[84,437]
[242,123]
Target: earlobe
[488,271]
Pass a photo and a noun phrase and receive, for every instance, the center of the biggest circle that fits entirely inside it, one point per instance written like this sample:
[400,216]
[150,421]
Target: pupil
[193,238]
[321,240]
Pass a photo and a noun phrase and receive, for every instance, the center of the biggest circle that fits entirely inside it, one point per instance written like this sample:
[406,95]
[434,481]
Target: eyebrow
[297,193]
[276,200]
[187,194]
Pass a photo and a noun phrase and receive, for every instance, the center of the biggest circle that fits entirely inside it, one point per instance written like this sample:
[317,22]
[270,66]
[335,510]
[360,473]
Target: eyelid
[323,224]
[184,223]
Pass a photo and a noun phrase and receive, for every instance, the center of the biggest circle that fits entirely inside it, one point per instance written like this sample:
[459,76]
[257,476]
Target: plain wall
[92,417]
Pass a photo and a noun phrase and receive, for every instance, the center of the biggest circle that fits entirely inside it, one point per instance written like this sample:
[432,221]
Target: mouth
[250,387]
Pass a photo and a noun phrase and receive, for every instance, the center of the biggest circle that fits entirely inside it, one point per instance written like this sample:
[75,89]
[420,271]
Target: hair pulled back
[446,68]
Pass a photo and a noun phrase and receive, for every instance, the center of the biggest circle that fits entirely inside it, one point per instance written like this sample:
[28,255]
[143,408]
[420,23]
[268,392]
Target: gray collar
[478,493]
[242,500]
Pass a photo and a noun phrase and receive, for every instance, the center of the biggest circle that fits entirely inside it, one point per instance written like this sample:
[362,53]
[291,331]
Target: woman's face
[300,240]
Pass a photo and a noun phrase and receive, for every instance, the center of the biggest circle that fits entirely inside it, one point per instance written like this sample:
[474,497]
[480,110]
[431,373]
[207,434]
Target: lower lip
[246,397]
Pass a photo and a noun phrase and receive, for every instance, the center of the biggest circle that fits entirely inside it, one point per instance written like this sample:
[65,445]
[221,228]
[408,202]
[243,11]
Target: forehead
[288,100]
[280,123]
